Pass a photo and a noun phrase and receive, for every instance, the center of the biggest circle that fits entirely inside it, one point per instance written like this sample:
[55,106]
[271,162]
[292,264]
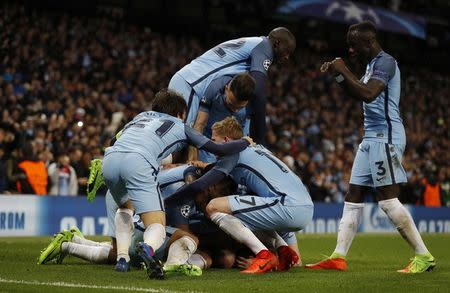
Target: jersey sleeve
[257,109]
[192,171]
[194,137]
[383,69]
[189,190]
[261,57]
[226,164]
[215,87]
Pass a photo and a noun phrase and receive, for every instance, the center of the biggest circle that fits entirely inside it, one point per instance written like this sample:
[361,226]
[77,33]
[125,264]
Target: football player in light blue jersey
[225,96]
[187,213]
[277,200]
[252,54]
[131,165]
[378,159]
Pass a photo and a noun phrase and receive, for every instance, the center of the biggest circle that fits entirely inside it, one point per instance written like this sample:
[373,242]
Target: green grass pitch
[373,261]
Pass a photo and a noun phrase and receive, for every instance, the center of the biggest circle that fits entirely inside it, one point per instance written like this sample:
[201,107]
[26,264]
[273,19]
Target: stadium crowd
[68,83]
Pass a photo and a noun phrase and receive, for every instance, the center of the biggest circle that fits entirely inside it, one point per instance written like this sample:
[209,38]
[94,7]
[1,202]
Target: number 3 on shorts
[381,169]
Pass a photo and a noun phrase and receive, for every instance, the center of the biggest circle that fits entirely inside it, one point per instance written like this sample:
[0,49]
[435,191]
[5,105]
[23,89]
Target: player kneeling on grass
[279,200]
[130,169]
[190,215]
[178,245]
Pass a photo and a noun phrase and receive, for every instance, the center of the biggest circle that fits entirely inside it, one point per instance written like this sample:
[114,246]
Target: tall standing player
[252,54]
[378,159]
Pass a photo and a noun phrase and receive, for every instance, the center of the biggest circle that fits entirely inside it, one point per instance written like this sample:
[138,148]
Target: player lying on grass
[181,244]
[276,199]
[178,245]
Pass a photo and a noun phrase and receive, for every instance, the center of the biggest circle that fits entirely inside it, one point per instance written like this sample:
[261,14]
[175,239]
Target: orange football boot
[263,262]
[337,263]
[287,258]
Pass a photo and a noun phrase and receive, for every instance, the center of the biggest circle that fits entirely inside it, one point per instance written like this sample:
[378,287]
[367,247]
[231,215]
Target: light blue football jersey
[265,175]
[382,121]
[228,58]
[213,103]
[170,180]
[155,135]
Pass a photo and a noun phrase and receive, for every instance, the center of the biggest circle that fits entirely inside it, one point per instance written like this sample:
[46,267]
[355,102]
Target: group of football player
[226,200]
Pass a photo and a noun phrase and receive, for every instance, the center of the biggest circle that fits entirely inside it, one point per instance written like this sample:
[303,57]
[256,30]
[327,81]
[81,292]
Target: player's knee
[212,207]
[355,194]
[181,233]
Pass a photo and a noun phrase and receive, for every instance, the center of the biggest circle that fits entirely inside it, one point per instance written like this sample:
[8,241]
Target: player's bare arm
[364,92]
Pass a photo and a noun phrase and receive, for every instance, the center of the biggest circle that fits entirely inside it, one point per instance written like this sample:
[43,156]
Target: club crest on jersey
[266,64]
[185,210]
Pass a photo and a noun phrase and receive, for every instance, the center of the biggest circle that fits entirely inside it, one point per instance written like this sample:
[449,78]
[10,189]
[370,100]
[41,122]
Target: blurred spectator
[432,192]
[3,180]
[63,178]
[31,172]
[444,178]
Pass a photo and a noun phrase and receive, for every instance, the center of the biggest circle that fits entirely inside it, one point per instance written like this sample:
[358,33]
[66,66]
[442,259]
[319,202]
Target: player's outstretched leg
[75,231]
[153,265]
[53,250]
[287,258]
[263,262]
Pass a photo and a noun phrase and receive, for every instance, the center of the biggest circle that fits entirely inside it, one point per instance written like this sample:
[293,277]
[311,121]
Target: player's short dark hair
[243,86]
[282,34]
[169,102]
[364,27]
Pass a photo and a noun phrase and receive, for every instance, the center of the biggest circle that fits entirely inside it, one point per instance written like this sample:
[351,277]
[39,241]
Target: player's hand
[170,166]
[324,67]
[338,65]
[198,164]
[242,262]
[249,139]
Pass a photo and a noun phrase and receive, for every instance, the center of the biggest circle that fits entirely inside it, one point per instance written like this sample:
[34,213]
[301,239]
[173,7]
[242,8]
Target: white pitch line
[86,286]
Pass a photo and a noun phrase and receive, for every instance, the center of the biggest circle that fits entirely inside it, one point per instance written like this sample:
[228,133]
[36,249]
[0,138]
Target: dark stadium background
[312,126]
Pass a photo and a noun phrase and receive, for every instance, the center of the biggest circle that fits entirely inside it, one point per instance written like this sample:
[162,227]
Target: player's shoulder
[262,43]
[385,57]
[255,40]
[217,86]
